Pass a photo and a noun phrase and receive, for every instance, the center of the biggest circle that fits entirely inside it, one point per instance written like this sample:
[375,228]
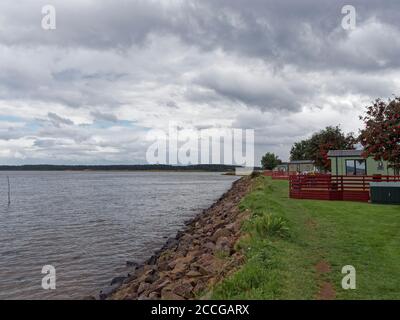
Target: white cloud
[89,91]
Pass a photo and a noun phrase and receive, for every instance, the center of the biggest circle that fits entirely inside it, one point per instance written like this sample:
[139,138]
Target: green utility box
[385,192]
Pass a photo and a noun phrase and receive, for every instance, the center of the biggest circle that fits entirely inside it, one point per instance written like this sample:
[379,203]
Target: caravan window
[356,167]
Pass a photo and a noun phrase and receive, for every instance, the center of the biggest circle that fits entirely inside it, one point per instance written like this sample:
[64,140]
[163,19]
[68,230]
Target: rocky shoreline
[197,258]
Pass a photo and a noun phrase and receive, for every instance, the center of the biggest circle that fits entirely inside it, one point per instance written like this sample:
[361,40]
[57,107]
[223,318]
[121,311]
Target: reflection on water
[88,224]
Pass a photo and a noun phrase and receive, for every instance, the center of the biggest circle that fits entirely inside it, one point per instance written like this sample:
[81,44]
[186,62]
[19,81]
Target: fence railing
[283,175]
[328,187]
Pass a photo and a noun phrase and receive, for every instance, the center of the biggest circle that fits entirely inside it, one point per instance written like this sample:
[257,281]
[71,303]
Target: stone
[223,244]
[129,279]
[210,246]
[105,293]
[223,232]
[178,271]
[193,273]
[152,260]
[179,234]
[149,269]
[205,259]
[161,284]
[117,280]
[151,277]
[132,264]
[182,250]
[183,290]
[202,269]
[197,252]
[171,243]
[200,286]
[233,227]
[154,296]
[143,287]
[164,266]
[180,264]
[192,281]
[187,237]
[171,296]
[131,296]
[219,224]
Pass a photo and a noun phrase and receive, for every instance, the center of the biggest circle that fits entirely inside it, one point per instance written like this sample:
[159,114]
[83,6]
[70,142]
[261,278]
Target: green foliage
[301,151]
[316,148]
[255,174]
[381,134]
[271,226]
[270,161]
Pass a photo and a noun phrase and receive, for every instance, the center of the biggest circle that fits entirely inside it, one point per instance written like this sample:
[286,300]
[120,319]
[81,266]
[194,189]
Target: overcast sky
[89,91]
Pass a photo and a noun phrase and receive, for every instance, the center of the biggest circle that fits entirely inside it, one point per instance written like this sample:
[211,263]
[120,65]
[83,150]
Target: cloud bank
[89,91]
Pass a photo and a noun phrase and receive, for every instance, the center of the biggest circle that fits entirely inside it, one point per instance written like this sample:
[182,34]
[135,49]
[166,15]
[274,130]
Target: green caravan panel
[373,167]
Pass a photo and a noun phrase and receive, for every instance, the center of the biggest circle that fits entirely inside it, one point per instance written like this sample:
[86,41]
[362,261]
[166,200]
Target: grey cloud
[201,62]
[305,33]
[46,143]
[12,133]
[57,121]
[171,104]
[265,93]
[104,116]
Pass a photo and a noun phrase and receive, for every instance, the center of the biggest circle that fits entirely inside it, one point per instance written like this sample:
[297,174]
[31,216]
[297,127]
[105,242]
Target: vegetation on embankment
[295,249]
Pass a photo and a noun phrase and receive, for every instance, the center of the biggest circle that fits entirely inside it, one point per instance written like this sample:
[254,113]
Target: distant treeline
[45,167]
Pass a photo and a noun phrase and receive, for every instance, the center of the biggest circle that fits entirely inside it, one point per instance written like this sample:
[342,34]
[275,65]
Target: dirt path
[326,290]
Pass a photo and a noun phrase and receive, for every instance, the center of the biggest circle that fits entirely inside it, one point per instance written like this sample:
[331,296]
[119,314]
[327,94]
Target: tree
[331,138]
[270,161]
[300,151]
[381,134]
[317,147]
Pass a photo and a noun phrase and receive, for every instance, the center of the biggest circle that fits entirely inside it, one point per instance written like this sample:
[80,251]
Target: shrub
[255,174]
[271,226]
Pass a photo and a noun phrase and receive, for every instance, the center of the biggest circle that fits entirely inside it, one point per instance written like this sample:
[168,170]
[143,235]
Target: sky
[90,91]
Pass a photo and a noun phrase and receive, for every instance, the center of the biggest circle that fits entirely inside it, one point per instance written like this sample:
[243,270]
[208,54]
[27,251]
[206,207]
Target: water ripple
[89,224]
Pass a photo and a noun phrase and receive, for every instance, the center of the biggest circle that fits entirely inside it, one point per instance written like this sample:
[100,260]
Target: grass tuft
[271,226]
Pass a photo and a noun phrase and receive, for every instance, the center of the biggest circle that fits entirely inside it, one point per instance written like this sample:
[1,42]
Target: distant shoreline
[227,173]
[121,168]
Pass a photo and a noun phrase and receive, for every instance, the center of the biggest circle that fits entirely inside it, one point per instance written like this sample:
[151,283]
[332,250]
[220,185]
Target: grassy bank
[296,249]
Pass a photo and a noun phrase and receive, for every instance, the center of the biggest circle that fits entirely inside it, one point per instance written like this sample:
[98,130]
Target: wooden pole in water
[9,190]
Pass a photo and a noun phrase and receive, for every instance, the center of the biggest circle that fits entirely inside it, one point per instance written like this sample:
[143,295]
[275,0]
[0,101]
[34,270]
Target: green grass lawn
[281,258]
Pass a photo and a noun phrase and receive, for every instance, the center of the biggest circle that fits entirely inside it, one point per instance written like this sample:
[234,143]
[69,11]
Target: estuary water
[88,224]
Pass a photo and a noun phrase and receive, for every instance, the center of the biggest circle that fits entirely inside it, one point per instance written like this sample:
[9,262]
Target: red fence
[268,173]
[327,187]
[279,175]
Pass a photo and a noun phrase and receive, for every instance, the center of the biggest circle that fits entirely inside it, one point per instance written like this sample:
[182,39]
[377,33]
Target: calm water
[87,225]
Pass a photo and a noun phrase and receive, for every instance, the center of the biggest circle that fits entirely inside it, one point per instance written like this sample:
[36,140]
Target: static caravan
[352,163]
